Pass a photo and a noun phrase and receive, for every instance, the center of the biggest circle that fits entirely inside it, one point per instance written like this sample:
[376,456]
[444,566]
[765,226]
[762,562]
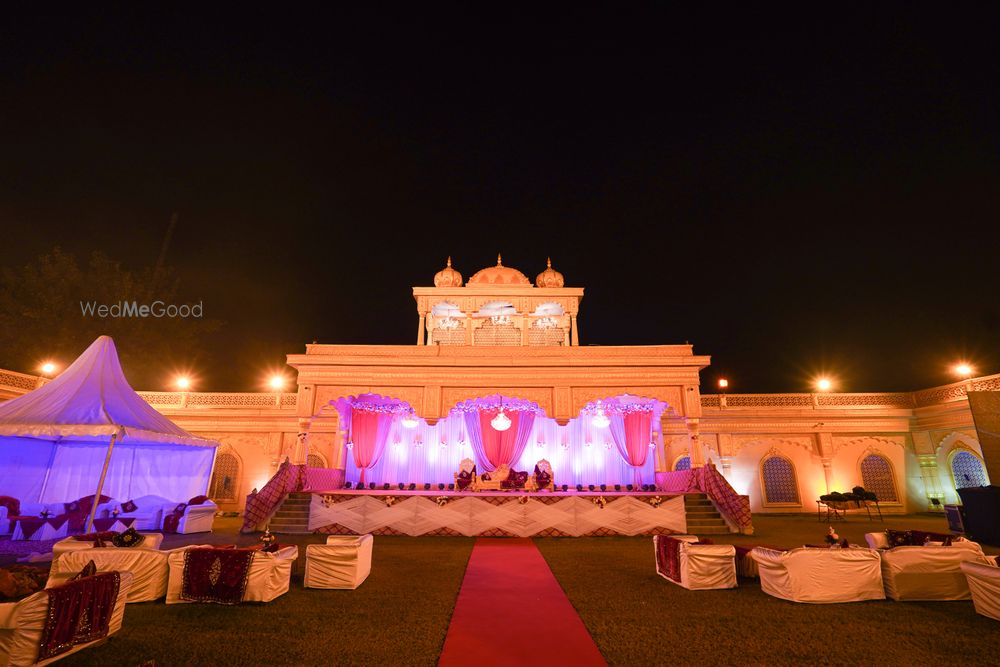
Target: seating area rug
[26,547]
[511,609]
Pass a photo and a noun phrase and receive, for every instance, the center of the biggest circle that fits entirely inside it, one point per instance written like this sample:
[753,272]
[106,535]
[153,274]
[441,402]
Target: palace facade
[499,333]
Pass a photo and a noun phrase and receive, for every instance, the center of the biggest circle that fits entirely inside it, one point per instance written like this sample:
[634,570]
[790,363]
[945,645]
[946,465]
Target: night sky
[789,192]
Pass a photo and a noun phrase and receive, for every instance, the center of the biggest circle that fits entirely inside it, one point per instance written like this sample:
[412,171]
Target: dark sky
[789,191]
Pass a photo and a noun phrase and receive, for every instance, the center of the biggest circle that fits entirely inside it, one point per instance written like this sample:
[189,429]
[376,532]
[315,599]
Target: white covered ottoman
[343,562]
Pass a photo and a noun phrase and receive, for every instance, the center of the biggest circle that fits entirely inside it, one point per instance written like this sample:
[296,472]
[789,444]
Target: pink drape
[369,432]
[632,433]
[494,448]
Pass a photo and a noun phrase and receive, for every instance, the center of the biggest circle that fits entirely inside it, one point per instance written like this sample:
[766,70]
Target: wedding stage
[496,514]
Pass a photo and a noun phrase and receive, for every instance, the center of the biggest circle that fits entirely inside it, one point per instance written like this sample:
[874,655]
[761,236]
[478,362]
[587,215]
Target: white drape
[43,471]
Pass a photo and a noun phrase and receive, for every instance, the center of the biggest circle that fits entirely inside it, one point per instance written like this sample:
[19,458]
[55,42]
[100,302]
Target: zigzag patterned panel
[471,516]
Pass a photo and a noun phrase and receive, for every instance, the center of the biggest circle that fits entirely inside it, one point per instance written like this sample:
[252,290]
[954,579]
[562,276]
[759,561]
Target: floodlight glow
[723,383]
[183,383]
[277,382]
[824,384]
[964,370]
[48,368]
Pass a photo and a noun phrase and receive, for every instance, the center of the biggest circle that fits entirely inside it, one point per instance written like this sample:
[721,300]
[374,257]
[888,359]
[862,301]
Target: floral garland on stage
[624,405]
[509,404]
[375,403]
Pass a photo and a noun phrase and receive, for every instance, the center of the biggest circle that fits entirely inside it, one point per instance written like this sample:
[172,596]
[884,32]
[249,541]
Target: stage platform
[491,513]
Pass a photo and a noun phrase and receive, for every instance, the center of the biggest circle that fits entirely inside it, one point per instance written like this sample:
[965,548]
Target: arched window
[315,461]
[683,463]
[225,478]
[777,476]
[967,470]
[877,477]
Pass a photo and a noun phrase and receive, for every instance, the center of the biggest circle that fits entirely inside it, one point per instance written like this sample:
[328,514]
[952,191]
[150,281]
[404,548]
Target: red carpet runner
[512,610]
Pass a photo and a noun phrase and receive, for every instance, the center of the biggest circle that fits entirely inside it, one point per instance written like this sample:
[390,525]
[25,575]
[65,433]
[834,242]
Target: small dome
[549,277]
[499,275]
[448,277]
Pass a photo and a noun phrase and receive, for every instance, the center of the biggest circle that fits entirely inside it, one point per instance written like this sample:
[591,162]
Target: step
[709,530]
[292,511]
[295,502]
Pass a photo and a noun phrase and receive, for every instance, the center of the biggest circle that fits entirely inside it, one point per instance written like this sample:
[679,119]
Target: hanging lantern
[410,420]
[501,422]
[600,420]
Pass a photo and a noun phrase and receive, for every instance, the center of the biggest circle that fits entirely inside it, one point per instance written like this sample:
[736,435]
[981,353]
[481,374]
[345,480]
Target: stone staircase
[702,517]
[293,515]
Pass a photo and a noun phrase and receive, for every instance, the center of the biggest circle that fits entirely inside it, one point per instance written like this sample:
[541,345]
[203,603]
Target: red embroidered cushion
[198,500]
[129,506]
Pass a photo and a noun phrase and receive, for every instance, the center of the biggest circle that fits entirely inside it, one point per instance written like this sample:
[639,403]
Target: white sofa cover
[344,562]
[197,518]
[930,572]
[148,568]
[820,576]
[984,584]
[269,577]
[702,566]
[148,514]
[152,541]
[22,622]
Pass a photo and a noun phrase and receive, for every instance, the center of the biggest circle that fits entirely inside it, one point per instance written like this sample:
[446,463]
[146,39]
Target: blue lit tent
[88,432]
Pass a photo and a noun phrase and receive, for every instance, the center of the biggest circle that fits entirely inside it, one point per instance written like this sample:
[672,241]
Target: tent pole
[48,471]
[215,456]
[89,528]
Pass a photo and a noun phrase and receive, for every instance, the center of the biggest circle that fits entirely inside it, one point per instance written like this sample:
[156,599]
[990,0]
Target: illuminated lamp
[410,420]
[600,420]
[501,422]
[183,383]
[964,370]
[277,382]
[723,383]
[824,384]
[48,368]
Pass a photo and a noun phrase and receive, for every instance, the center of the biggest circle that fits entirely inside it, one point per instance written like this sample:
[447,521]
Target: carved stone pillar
[574,331]
[694,444]
[301,452]
[828,473]
[420,330]
[932,482]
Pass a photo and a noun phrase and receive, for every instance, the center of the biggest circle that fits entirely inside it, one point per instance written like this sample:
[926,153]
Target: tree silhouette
[42,316]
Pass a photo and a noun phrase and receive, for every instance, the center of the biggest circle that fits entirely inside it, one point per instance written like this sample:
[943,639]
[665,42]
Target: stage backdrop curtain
[369,432]
[494,448]
[632,433]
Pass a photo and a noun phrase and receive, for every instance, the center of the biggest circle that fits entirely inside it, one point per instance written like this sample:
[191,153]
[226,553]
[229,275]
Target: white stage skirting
[570,515]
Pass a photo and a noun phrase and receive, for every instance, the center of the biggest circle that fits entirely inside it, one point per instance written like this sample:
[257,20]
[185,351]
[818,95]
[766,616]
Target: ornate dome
[448,277]
[499,275]
[549,277]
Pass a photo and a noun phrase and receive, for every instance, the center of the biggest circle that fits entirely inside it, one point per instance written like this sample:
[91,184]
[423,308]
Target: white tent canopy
[55,439]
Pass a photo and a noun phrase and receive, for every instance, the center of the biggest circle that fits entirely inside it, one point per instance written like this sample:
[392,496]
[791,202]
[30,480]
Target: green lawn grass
[399,616]
[638,618]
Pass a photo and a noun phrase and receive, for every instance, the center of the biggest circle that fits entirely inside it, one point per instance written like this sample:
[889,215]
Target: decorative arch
[682,462]
[878,476]
[316,460]
[778,481]
[226,474]
[967,468]
[956,439]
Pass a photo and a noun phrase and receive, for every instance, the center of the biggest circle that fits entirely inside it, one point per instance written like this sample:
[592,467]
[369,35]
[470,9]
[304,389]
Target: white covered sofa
[196,518]
[269,577]
[701,566]
[929,572]
[984,584]
[147,566]
[148,514]
[344,562]
[820,575]
[22,622]
[152,541]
